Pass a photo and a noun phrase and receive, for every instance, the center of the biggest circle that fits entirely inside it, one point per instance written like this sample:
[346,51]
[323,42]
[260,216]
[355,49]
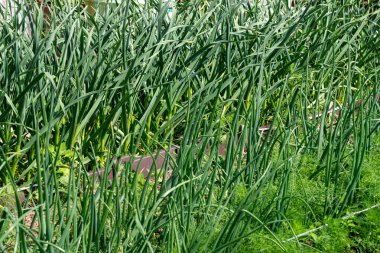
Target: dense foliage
[78,88]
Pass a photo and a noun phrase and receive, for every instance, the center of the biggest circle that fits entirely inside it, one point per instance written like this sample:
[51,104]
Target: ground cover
[80,89]
[359,233]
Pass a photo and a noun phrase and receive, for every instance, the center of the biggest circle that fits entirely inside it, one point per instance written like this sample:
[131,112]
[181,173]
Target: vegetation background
[85,87]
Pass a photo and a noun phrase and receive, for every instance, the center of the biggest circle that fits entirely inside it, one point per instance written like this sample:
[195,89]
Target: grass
[82,89]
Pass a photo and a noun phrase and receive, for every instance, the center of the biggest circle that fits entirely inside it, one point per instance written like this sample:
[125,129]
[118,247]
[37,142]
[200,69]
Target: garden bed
[185,98]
